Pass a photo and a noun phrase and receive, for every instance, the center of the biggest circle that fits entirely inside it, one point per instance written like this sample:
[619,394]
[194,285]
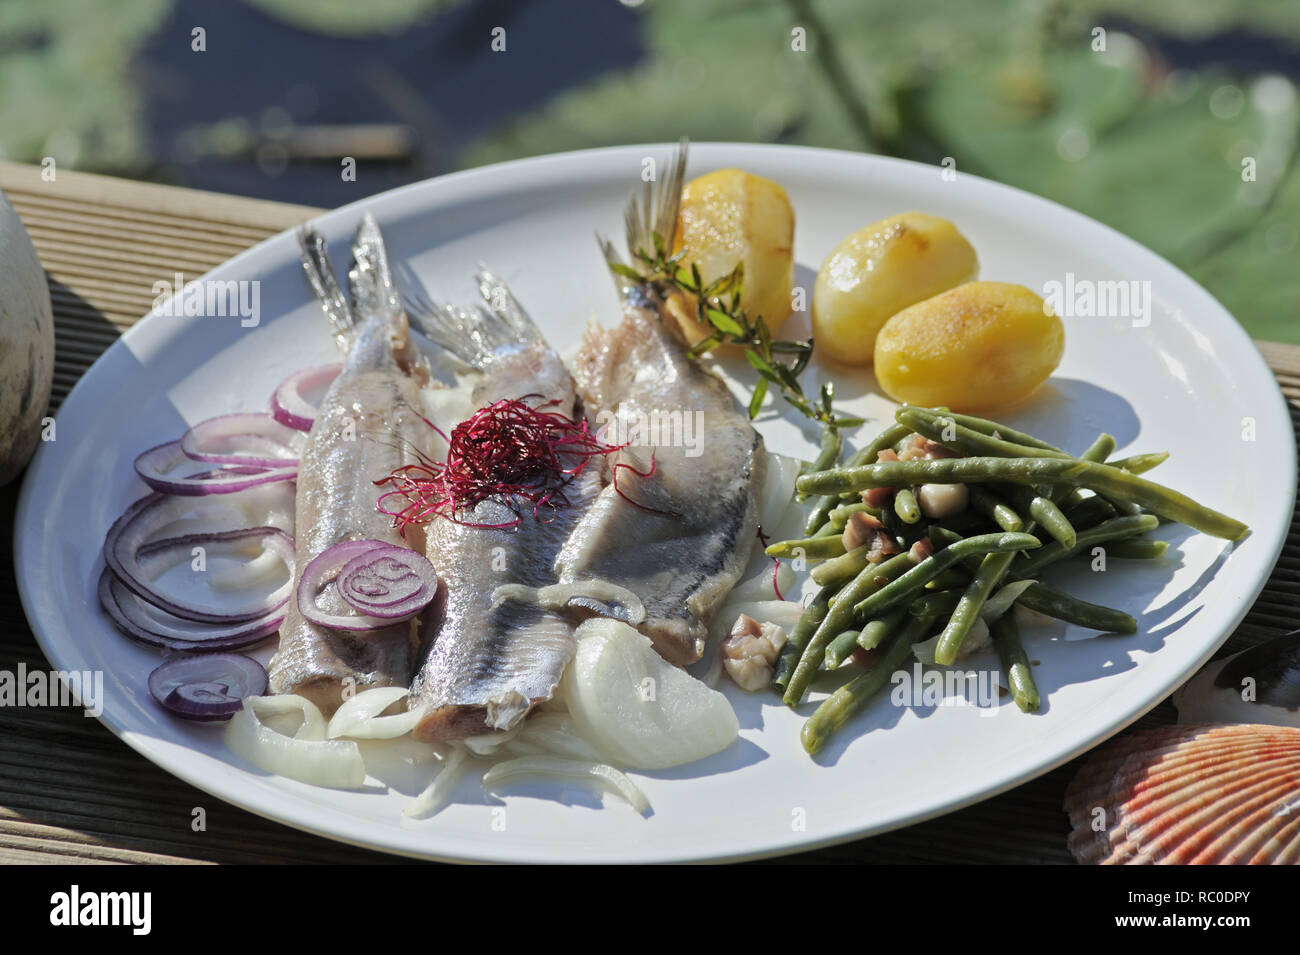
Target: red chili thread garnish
[776,563]
[509,450]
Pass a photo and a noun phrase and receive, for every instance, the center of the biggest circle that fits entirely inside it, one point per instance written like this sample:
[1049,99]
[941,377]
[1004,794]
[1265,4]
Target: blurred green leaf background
[1174,121]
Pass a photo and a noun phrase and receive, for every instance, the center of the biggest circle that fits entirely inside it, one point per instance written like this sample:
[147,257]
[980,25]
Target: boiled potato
[974,347]
[729,217]
[879,271]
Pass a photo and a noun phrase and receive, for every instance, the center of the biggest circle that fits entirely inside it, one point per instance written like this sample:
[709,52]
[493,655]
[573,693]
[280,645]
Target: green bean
[867,638]
[842,705]
[1043,510]
[935,604]
[832,444]
[1140,463]
[946,431]
[838,618]
[842,569]
[801,633]
[1089,512]
[905,506]
[985,426]
[827,530]
[1062,606]
[1100,449]
[1052,602]
[996,509]
[948,579]
[838,650]
[1137,548]
[910,583]
[991,571]
[1114,484]
[1015,663]
[1113,529]
[876,630]
[839,516]
[813,548]
[886,439]
[820,513]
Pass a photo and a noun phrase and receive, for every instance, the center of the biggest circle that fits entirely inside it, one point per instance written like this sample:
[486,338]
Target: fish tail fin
[475,333]
[651,218]
[320,276]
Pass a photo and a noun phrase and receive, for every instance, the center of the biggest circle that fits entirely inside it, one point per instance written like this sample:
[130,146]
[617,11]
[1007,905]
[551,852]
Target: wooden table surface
[71,792]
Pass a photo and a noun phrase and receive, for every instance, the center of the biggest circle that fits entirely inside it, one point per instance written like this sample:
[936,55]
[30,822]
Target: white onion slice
[439,791]
[778,489]
[1000,602]
[577,770]
[303,756]
[359,717]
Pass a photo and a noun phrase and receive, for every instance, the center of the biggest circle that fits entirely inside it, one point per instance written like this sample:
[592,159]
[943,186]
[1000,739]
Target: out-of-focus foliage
[65,75]
[1016,90]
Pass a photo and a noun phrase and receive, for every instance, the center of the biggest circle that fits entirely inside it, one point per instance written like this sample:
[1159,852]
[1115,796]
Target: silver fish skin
[490,656]
[369,424]
[679,538]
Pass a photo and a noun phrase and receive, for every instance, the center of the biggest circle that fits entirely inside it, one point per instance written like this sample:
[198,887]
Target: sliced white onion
[439,791]
[582,771]
[317,761]
[558,738]
[249,438]
[1000,602]
[759,584]
[290,406]
[262,569]
[778,489]
[359,717]
[487,744]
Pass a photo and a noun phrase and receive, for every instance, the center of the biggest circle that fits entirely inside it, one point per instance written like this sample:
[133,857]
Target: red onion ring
[131,543]
[368,564]
[249,438]
[289,407]
[147,624]
[156,465]
[207,688]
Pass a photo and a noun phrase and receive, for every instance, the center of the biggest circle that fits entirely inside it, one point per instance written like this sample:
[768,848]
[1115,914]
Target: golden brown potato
[879,271]
[972,348]
[729,217]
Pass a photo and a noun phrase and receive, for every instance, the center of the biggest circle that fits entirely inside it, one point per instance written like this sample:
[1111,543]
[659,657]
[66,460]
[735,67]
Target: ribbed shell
[1199,794]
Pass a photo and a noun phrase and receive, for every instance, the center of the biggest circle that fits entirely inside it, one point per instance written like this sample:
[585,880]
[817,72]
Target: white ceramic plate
[1184,378]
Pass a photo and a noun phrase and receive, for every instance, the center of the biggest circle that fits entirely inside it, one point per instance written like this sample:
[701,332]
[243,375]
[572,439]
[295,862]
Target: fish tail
[475,334]
[320,276]
[370,280]
[654,214]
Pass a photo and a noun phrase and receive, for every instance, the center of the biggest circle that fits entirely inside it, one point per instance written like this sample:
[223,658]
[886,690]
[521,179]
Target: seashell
[1198,794]
[1259,685]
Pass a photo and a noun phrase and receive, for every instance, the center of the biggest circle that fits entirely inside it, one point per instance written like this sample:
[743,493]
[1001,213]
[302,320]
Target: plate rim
[298,814]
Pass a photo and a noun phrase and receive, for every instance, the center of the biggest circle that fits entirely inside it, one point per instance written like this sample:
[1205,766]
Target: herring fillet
[367,425]
[488,661]
[685,546]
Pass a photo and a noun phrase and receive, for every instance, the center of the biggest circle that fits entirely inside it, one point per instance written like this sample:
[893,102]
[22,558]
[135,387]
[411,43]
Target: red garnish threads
[776,563]
[510,450]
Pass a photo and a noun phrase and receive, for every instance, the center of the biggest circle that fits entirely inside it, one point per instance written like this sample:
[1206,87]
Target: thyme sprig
[717,306]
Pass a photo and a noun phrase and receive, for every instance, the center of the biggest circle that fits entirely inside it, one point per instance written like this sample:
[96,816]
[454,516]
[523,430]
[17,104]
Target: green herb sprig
[717,306]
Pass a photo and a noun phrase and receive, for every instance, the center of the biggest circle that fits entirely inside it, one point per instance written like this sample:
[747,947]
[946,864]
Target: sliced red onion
[133,553]
[289,407]
[384,582]
[249,438]
[158,467]
[207,688]
[140,620]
